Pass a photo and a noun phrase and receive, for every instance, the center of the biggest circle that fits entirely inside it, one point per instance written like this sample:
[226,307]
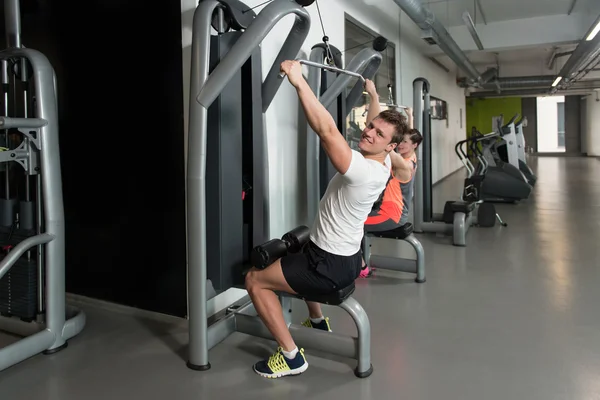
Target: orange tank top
[392,203]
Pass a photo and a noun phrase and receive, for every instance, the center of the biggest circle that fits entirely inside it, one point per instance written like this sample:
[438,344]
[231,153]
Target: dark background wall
[529,110]
[119,72]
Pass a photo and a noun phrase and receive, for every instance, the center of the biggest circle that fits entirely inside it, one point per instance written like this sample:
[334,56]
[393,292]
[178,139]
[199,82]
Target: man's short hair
[398,120]
[415,136]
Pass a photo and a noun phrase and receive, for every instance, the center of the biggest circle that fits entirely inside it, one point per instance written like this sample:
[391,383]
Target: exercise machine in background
[32,231]
[511,149]
[501,181]
[486,213]
[458,216]
[228,97]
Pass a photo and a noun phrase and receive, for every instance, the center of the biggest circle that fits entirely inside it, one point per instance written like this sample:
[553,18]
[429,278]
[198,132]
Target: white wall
[444,134]
[286,177]
[593,126]
[547,123]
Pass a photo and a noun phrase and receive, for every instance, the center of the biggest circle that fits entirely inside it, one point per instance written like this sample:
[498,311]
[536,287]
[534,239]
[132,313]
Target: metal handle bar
[328,68]
[393,105]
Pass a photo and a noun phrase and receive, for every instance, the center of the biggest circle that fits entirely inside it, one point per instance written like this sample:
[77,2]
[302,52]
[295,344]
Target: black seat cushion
[463,206]
[334,298]
[401,232]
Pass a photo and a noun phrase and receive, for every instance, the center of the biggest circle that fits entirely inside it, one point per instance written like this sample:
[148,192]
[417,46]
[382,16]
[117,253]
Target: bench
[358,348]
[404,232]
[452,207]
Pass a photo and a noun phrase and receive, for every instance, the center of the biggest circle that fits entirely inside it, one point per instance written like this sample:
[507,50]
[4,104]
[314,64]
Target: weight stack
[18,290]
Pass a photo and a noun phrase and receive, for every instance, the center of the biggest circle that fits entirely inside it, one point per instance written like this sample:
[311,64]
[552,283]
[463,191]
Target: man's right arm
[319,119]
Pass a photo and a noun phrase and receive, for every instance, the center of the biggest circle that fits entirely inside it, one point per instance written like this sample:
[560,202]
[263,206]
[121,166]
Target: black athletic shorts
[316,271]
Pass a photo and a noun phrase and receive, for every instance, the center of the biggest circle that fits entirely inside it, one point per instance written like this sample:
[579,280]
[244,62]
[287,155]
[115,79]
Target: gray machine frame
[366,62]
[239,315]
[424,218]
[398,264]
[60,322]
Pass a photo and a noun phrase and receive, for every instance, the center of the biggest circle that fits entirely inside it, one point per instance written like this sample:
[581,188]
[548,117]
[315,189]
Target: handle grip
[328,68]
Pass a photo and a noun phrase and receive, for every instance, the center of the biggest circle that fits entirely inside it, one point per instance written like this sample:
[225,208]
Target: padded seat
[401,232]
[334,299]
[463,206]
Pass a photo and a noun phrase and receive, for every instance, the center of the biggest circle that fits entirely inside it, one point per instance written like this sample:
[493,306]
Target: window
[356,39]
[561,124]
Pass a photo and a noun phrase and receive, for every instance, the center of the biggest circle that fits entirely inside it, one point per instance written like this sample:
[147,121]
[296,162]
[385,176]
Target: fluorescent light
[558,79]
[594,32]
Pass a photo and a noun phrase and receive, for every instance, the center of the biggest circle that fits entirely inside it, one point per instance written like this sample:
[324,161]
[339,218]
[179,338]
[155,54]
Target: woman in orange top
[390,211]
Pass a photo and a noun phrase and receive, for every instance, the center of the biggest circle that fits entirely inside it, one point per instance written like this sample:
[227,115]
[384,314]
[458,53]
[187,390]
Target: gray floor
[511,316]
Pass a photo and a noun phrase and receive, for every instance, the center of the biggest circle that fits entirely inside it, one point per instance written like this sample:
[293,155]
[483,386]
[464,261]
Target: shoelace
[277,362]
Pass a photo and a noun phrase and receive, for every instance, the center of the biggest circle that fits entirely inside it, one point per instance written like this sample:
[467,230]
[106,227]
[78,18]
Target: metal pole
[12,18]
[418,124]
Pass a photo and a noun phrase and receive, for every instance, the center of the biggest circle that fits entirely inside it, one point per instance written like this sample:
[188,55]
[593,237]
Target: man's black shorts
[316,271]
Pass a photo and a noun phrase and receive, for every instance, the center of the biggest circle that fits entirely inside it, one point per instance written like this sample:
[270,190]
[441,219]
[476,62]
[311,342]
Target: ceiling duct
[574,90]
[435,33]
[539,86]
[514,82]
[583,55]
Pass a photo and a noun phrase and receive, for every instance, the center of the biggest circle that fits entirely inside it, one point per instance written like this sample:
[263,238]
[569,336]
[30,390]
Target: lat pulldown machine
[458,216]
[227,100]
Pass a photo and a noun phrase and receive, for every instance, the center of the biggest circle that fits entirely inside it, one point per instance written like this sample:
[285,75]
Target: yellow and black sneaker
[278,365]
[322,325]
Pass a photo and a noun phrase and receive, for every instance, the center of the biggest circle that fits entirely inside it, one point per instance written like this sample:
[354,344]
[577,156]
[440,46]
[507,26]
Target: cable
[389,85]
[320,18]
[353,47]
[329,58]
[261,4]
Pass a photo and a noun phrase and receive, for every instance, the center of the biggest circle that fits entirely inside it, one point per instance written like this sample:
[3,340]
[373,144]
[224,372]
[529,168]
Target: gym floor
[511,316]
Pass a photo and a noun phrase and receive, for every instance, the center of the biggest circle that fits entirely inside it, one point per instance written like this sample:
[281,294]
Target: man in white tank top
[332,259]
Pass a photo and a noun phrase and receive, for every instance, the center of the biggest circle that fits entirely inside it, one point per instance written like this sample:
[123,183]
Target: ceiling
[449,12]
[519,36]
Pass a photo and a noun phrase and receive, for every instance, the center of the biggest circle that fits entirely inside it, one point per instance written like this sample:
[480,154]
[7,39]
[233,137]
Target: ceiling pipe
[586,70]
[514,82]
[585,52]
[437,34]
[489,74]
[580,86]
[528,92]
